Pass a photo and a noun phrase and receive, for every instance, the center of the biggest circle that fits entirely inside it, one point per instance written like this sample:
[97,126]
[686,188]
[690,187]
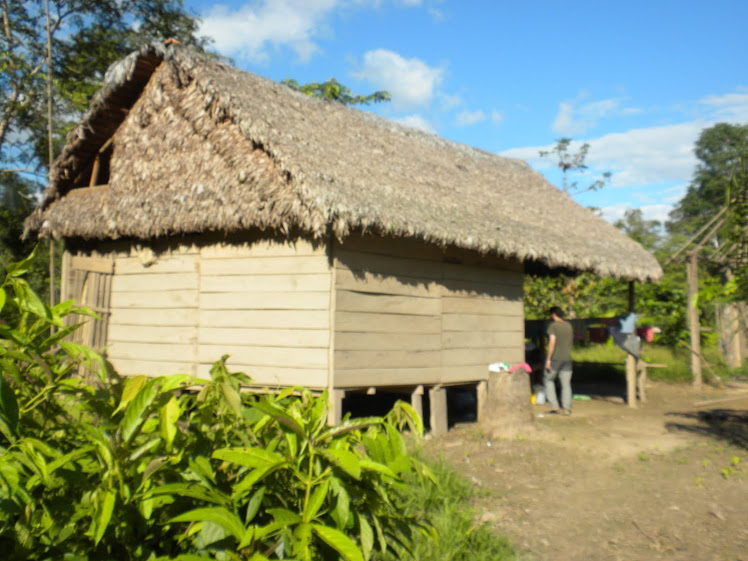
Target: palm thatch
[198,146]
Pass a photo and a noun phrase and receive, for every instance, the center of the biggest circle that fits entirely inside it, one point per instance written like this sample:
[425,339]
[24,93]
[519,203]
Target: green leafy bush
[98,467]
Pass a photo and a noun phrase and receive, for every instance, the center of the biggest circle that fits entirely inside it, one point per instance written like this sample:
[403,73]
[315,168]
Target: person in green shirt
[558,362]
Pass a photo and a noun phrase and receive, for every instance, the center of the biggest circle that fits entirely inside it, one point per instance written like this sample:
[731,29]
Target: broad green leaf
[370,465]
[104,508]
[232,397]
[192,490]
[91,359]
[249,535]
[284,516]
[316,500]
[249,480]
[21,267]
[253,506]
[131,389]
[219,515]
[3,297]
[302,537]
[366,536]
[168,417]
[28,300]
[134,414]
[8,410]
[169,383]
[345,460]
[279,415]
[341,512]
[249,457]
[348,426]
[339,542]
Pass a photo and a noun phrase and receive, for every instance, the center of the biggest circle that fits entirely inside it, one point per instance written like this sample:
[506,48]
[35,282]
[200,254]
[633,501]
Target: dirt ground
[668,480]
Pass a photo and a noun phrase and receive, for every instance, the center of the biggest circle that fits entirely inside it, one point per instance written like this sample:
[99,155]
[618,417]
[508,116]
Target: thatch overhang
[272,158]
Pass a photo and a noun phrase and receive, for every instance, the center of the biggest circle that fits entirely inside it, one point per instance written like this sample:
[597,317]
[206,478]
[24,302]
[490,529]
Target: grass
[607,361]
[447,507]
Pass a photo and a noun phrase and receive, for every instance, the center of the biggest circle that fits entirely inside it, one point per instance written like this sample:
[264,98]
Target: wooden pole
[692,275]
[51,152]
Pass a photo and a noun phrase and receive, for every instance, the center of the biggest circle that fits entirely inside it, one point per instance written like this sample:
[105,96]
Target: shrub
[180,468]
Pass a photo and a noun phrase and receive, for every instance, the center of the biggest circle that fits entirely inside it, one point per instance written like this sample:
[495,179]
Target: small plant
[643,457]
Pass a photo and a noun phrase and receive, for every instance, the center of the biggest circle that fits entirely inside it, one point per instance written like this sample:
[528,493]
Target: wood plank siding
[407,314]
[265,303]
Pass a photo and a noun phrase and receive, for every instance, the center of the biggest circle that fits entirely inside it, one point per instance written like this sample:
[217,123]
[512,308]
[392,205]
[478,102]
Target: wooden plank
[155,282]
[387,359]
[366,281]
[483,275]
[95,264]
[161,299]
[386,323]
[296,357]
[349,301]
[285,319]
[477,322]
[164,264]
[265,301]
[265,283]
[390,266]
[267,266]
[179,317]
[482,306]
[465,373]
[483,339]
[272,376]
[379,377]
[262,248]
[315,338]
[354,341]
[126,367]
[461,357]
[162,352]
[154,333]
[438,411]
[475,289]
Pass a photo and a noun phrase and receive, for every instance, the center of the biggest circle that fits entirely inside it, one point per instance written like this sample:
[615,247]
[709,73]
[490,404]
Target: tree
[335,91]
[646,232]
[569,163]
[87,36]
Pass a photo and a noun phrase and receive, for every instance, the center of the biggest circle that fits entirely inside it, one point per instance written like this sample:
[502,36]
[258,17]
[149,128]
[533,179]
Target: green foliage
[98,467]
[455,534]
[335,91]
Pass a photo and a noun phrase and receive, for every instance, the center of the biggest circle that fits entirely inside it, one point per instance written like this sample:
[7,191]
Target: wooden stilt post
[692,275]
[481,394]
[416,400]
[335,411]
[631,380]
[438,410]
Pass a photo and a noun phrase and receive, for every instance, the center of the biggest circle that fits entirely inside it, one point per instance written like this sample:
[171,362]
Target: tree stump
[506,409]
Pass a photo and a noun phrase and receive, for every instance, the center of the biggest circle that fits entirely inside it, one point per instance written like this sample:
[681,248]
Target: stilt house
[209,211]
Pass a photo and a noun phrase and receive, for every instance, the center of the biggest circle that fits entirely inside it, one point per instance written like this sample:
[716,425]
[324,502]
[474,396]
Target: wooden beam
[692,276]
[631,380]
[335,410]
[416,400]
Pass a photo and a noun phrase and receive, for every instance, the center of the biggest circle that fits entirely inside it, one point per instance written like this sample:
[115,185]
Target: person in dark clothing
[558,362]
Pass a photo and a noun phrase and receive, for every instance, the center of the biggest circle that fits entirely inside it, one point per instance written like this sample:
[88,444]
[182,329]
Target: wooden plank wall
[267,305]
[154,323]
[408,314]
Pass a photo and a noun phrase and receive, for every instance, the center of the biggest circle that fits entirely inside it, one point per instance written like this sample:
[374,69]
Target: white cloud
[250,30]
[496,116]
[617,211]
[575,118]
[730,107]
[637,157]
[411,82]
[467,118]
[416,122]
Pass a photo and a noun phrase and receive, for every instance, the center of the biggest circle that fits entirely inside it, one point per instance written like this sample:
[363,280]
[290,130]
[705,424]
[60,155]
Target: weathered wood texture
[155,311]
[409,314]
[267,305]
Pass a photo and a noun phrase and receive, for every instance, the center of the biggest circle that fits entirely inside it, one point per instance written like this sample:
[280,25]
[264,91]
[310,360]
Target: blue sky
[636,80]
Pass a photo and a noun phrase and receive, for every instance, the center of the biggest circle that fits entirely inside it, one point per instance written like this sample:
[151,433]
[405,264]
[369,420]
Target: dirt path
[666,481]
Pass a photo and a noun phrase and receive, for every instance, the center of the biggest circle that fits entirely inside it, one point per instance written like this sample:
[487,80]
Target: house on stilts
[209,211]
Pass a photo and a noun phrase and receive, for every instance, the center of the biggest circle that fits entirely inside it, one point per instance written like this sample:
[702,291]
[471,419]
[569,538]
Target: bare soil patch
[668,480]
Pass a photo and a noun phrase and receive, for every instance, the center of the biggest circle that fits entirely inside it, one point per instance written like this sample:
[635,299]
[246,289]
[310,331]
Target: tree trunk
[507,408]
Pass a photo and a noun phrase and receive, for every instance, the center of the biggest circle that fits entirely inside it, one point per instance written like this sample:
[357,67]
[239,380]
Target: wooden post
[631,380]
[481,394]
[438,410]
[416,400]
[335,411]
[692,275]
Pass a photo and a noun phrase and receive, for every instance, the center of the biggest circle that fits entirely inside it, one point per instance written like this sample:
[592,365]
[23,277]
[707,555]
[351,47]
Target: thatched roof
[201,146]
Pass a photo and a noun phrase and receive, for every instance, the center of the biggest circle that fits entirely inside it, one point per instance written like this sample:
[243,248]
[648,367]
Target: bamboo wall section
[409,314]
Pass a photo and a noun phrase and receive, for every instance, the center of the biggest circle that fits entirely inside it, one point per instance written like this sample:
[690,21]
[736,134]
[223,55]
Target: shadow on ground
[730,425]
